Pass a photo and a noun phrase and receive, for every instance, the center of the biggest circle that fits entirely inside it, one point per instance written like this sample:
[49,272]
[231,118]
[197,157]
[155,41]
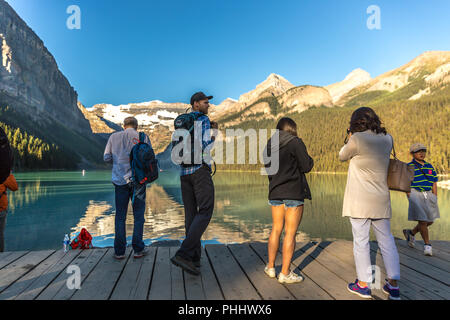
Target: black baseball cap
[199,96]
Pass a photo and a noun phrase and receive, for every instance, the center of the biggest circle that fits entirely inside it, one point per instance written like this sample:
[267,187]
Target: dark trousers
[3,215]
[198,197]
[123,196]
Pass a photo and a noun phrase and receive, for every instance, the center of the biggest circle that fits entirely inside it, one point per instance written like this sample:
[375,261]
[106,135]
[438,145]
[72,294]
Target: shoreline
[226,170]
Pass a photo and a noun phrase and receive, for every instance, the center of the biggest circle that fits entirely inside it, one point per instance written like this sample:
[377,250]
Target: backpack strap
[141,137]
[425,176]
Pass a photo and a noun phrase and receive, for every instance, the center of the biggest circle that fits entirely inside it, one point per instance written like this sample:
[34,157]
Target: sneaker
[427,250]
[119,257]
[140,254]
[270,272]
[291,278]
[409,237]
[197,263]
[362,292]
[393,292]
[186,265]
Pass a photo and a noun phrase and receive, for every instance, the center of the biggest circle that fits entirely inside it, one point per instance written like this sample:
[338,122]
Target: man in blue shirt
[197,190]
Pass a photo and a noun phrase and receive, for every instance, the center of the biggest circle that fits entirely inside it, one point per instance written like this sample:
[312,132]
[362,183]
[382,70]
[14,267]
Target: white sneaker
[270,272]
[291,278]
[427,250]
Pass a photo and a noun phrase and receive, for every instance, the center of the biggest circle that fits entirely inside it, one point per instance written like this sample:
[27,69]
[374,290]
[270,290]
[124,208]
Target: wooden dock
[228,272]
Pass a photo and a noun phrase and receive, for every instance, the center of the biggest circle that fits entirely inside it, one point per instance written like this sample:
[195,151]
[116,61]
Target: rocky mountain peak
[30,80]
[356,78]
[358,75]
[274,85]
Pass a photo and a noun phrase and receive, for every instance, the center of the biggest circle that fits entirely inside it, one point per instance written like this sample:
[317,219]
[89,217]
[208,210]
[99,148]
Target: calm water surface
[50,204]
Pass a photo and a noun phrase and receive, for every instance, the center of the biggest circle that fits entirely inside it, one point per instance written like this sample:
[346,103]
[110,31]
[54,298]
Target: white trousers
[386,243]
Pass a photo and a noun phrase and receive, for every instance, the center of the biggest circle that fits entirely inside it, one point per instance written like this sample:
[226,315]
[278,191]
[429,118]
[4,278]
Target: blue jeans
[287,203]
[123,195]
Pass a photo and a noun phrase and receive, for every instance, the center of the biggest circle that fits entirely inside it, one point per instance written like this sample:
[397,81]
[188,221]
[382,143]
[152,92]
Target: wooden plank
[48,276]
[9,257]
[424,268]
[233,281]
[99,284]
[407,291]
[306,290]
[269,289]
[160,288]
[440,245]
[328,281]
[343,270]
[211,288]
[428,286]
[15,270]
[3,255]
[57,289]
[134,282]
[177,280]
[415,289]
[193,285]
[441,255]
[416,254]
[27,280]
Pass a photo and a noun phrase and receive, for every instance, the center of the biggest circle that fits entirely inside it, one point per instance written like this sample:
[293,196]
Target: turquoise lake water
[50,204]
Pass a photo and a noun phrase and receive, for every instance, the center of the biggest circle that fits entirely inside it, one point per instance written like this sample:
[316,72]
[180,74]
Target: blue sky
[142,50]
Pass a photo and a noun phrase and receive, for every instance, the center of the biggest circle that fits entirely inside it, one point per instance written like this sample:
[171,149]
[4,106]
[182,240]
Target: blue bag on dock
[144,165]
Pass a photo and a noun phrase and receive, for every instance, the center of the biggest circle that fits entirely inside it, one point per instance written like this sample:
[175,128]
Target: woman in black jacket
[288,189]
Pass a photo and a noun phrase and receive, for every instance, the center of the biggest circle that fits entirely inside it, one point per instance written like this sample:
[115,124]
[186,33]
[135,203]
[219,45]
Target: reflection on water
[50,204]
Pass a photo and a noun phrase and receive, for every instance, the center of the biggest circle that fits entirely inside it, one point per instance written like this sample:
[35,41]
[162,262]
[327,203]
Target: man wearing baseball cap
[423,206]
[197,190]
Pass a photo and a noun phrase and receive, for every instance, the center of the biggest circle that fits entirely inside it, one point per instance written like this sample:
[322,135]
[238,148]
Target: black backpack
[6,156]
[144,165]
[186,121]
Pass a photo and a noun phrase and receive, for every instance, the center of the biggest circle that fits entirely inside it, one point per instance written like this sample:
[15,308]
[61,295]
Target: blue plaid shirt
[206,141]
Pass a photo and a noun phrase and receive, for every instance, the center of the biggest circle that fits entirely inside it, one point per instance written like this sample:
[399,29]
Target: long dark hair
[365,118]
[288,125]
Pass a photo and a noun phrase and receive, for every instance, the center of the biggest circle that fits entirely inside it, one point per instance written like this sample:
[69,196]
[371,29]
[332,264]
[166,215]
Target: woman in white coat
[367,200]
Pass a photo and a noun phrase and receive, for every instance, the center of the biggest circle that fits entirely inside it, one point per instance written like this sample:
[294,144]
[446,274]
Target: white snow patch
[125,107]
[115,114]
[146,120]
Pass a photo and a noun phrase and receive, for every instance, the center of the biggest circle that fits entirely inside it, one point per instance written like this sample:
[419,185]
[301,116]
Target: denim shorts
[287,203]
